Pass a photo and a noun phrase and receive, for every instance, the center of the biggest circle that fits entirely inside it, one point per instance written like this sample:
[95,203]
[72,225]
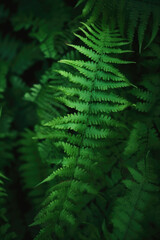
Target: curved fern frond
[83,133]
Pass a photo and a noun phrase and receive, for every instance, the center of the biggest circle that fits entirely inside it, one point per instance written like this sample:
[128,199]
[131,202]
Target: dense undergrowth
[79,120]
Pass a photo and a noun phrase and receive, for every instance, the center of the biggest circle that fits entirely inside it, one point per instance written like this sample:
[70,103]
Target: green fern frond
[147,94]
[129,211]
[42,95]
[136,16]
[142,138]
[90,127]
[93,9]
[45,25]
[151,58]
[155,26]
[32,169]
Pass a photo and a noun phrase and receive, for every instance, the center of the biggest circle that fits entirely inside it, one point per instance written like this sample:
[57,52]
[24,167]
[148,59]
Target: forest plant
[80,128]
[95,96]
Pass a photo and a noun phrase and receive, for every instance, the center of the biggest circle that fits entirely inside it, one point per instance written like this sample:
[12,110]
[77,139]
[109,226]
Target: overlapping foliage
[79,120]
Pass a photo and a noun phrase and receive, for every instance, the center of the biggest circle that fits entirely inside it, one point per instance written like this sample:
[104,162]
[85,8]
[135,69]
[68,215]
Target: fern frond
[142,137]
[147,94]
[155,26]
[42,95]
[129,211]
[93,10]
[90,127]
[46,26]
[136,16]
[32,169]
[141,14]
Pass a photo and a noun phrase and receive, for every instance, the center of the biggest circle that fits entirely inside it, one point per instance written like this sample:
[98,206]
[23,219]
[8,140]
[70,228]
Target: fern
[80,136]
[32,169]
[133,15]
[45,25]
[93,10]
[127,218]
[149,95]
[147,92]
[143,12]
[19,56]
[94,100]
[143,143]
[42,95]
